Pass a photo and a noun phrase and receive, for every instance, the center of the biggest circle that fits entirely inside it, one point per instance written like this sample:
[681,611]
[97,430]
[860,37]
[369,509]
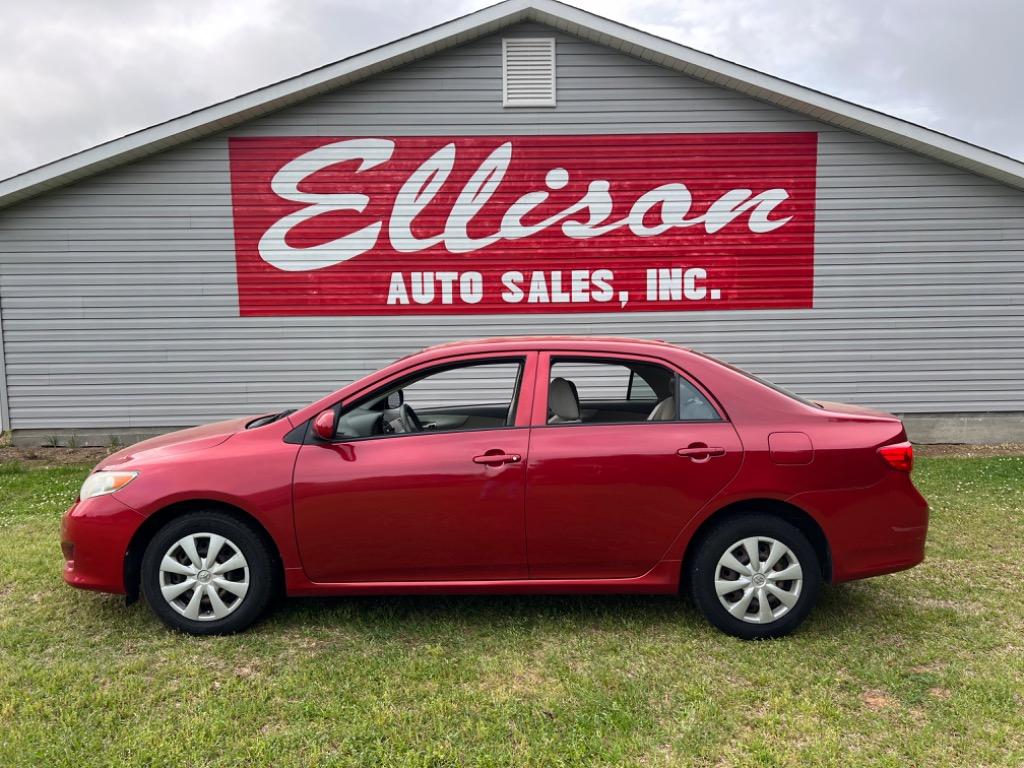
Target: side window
[640,389]
[448,398]
[693,406]
[479,385]
[594,381]
[610,391]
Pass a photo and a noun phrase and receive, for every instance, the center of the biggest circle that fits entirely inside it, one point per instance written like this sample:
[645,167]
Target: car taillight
[899,456]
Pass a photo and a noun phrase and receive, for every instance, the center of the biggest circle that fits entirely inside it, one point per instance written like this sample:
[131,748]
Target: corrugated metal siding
[119,303]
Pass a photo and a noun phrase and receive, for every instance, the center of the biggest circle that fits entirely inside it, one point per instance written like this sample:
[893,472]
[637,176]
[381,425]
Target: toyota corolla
[518,465]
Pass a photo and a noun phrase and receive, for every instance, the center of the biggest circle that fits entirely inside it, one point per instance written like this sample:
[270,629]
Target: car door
[605,500]
[442,504]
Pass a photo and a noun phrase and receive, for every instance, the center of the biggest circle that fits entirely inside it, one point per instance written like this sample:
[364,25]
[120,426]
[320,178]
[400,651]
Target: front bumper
[94,537]
[871,531]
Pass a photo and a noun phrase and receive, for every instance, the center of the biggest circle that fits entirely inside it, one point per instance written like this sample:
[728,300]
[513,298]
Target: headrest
[563,401]
[664,411]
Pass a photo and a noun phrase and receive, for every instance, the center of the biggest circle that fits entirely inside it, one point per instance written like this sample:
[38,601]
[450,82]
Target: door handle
[498,458]
[698,453]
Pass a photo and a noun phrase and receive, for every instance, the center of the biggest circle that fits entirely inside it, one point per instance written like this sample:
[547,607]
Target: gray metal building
[119,272]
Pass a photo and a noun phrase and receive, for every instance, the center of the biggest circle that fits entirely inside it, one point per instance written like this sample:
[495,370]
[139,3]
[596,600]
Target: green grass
[923,668]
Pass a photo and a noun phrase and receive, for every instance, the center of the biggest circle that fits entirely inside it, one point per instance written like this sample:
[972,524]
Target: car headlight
[102,483]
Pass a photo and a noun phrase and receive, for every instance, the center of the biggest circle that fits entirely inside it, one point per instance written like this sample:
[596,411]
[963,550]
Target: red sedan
[552,464]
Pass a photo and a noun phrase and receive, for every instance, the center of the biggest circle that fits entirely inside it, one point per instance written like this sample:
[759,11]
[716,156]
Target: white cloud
[75,74]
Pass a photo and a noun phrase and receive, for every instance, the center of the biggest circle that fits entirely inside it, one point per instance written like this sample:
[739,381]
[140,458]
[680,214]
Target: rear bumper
[871,531]
[94,536]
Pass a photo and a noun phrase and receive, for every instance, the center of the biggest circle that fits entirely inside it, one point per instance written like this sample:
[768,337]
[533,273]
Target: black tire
[713,545]
[262,581]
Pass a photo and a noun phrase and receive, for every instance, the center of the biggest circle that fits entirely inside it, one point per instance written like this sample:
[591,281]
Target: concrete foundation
[968,428]
[84,438]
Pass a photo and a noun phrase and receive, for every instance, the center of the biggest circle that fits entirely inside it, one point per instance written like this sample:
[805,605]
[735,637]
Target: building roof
[584,25]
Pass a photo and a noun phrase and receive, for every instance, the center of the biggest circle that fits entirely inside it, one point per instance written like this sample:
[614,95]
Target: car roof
[597,343]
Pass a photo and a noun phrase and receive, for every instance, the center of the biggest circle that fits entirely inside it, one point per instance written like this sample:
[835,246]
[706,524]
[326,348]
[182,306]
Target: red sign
[505,224]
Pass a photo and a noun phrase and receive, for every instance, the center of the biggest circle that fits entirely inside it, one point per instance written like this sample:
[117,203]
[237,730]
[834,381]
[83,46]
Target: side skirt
[661,579]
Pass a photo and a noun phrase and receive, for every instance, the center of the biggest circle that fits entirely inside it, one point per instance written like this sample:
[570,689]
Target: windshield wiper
[262,421]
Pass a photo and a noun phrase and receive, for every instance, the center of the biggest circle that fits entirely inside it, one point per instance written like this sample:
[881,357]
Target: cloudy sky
[73,74]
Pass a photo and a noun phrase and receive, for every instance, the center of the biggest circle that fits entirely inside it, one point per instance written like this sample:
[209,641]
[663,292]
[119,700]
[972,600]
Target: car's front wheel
[755,576]
[207,573]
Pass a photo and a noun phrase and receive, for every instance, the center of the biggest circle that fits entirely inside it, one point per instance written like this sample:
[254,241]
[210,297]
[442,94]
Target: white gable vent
[528,72]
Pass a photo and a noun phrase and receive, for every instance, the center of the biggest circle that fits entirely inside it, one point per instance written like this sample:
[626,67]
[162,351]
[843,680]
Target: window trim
[549,358]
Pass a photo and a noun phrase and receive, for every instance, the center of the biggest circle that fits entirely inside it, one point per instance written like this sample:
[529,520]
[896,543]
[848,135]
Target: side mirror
[324,425]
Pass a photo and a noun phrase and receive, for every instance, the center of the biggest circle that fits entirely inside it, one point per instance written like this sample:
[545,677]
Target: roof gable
[642,45]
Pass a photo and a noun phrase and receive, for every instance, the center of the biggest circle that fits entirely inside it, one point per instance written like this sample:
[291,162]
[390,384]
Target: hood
[856,410]
[183,441]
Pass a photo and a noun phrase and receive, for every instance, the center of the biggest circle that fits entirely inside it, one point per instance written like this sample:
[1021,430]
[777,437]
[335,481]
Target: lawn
[923,668]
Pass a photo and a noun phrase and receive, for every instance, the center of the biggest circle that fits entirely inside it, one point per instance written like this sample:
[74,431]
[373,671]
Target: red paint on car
[566,494]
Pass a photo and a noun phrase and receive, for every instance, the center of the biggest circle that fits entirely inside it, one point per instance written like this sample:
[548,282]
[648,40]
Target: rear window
[771,385]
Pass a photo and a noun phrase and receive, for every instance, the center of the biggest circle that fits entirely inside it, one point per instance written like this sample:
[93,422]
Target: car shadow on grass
[843,613]
[841,608]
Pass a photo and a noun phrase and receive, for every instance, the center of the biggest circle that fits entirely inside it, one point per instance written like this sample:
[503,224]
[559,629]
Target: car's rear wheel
[207,573]
[755,576]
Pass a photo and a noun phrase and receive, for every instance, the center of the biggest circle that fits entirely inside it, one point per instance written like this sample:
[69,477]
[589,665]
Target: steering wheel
[408,418]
